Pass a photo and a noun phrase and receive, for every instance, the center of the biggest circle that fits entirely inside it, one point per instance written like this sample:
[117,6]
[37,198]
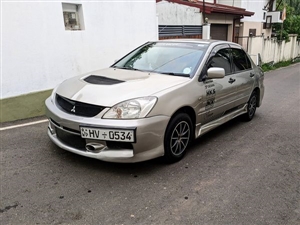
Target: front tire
[251,107]
[177,137]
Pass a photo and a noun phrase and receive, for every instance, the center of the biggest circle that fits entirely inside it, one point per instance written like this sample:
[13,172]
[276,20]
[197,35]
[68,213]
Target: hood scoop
[94,79]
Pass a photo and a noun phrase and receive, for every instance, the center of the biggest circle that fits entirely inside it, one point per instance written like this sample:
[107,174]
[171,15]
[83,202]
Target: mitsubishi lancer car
[155,100]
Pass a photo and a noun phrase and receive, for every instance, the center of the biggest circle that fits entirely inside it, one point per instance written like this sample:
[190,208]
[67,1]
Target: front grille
[71,140]
[78,108]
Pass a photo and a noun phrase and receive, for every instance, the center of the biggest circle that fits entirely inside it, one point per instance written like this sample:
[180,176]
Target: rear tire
[251,107]
[177,137]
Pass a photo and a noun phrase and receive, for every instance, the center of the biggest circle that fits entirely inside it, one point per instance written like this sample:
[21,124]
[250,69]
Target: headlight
[135,108]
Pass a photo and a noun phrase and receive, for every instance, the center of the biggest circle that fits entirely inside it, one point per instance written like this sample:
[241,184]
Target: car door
[220,93]
[244,74]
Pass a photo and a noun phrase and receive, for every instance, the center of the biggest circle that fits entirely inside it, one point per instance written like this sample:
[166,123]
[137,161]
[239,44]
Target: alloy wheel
[180,138]
[252,106]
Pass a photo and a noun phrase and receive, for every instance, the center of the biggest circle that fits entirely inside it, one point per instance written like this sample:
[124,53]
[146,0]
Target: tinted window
[240,60]
[221,59]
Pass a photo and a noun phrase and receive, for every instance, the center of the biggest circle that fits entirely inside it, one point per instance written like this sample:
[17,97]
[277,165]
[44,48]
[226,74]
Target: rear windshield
[180,59]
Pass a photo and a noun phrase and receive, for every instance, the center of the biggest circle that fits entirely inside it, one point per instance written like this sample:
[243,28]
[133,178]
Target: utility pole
[204,11]
[283,18]
[206,25]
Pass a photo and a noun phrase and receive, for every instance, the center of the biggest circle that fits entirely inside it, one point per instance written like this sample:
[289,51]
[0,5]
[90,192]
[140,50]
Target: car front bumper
[64,131]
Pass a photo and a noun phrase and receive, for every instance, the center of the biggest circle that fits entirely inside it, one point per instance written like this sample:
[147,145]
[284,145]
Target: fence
[244,41]
[272,50]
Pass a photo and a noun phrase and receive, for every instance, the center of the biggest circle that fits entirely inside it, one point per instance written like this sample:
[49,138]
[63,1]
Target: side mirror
[215,72]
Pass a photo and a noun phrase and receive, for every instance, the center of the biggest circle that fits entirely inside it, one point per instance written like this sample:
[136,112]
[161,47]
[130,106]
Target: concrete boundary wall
[272,50]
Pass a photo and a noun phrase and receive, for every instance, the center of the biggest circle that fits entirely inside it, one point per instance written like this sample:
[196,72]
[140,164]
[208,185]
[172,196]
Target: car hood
[110,86]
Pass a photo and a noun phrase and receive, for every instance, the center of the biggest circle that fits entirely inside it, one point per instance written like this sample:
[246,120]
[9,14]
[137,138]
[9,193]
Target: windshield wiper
[125,68]
[175,74]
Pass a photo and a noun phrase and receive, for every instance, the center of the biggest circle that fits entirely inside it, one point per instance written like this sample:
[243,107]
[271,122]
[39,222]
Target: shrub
[271,66]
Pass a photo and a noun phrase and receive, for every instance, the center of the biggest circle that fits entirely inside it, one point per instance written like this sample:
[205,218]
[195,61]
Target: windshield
[179,59]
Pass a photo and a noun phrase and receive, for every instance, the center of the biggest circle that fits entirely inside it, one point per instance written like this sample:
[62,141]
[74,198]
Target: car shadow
[217,132]
[224,133]
[119,168]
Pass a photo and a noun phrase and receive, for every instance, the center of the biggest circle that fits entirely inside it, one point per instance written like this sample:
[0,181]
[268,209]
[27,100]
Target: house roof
[213,8]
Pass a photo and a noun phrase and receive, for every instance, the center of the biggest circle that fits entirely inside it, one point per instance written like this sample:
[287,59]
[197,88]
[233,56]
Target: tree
[291,24]
[295,4]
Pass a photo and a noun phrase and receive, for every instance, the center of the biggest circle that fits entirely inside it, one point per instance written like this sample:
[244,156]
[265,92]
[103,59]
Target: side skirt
[200,130]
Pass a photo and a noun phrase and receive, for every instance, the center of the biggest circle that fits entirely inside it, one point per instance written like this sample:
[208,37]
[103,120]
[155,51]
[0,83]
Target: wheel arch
[257,91]
[190,112]
[174,119]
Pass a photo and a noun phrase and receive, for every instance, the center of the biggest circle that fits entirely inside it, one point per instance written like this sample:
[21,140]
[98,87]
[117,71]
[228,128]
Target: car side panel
[244,86]
[220,96]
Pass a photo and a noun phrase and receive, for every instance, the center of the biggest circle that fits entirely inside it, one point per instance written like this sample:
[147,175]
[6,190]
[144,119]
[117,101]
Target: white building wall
[255,6]
[235,3]
[38,53]
[176,14]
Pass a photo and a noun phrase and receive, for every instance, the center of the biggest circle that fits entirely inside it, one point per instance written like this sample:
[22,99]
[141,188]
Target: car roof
[199,41]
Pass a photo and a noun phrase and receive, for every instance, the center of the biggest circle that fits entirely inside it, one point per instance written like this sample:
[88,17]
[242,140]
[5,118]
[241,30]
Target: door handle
[231,80]
[252,74]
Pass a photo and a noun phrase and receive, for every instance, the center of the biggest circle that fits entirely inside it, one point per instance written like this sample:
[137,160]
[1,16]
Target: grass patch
[23,106]
[271,66]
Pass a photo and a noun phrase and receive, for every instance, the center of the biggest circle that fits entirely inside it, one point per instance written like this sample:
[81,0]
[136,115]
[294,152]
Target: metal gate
[219,31]
[179,31]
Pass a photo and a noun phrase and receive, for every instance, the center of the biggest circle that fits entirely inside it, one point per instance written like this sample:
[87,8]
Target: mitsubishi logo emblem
[73,109]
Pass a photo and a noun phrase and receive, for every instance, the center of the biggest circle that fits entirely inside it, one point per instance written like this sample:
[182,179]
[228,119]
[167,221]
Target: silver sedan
[155,101]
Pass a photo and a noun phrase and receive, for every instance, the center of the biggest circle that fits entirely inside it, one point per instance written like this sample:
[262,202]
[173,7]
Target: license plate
[107,134]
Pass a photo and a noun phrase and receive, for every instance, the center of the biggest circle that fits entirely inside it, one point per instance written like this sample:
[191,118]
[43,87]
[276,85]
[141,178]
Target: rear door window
[240,60]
